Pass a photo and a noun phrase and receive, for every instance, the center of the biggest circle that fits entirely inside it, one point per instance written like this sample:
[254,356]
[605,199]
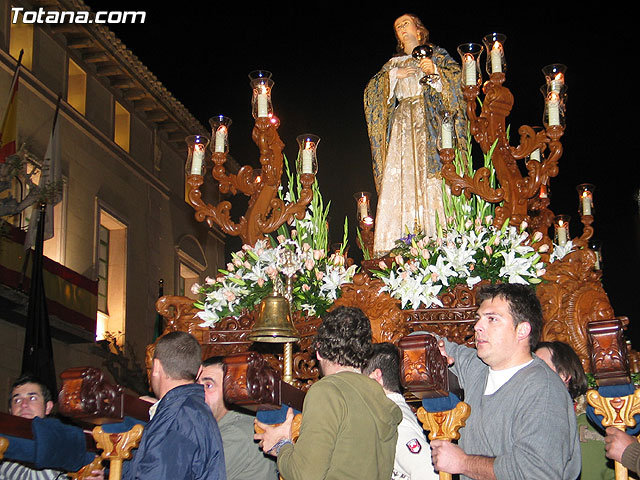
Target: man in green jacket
[349,426]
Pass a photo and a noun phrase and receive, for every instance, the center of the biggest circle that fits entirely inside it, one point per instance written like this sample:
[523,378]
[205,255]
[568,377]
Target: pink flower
[306,247]
[260,281]
[318,254]
[294,233]
[319,275]
[305,287]
[399,260]
[544,248]
[488,249]
[309,263]
[382,265]
[229,296]
[413,252]
[230,267]
[195,288]
[209,280]
[425,253]
[280,238]
[537,237]
[271,271]
[540,272]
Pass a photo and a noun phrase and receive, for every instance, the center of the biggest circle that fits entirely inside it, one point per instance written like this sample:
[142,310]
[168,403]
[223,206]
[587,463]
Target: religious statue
[401,105]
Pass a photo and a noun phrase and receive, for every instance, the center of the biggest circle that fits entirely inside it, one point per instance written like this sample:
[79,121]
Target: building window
[111,266]
[188,276]
[21,38]
[122,124]
[76,87]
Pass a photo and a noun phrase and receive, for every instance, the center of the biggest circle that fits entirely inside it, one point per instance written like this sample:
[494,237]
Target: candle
[553,108]
[535,155]
[221,138]
[363,211]
[496,58]
[263,102]
[586,203]
[561,231]
[543,191]
[469,70]
[447,135]
[307,158]
[197,159]
[557,82]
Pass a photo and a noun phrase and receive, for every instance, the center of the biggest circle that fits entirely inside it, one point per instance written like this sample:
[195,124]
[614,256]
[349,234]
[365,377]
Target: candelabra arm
[214,215]
[279,212]
[480,183]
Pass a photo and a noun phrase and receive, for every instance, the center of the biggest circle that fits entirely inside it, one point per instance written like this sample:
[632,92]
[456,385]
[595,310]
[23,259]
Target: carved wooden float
[571,295]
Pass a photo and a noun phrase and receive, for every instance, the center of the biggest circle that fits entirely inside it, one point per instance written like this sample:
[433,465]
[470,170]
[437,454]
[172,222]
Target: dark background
[323,56]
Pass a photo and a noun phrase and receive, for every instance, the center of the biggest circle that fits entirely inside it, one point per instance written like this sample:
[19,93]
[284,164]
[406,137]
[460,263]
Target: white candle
[586,204]
[535,155]
[221,137]
[496,58]
[447,137]
[562,233]
[557,83]
[197,159]
[362,208]
[263,108]
[469,70]
[553,108]
[307,158]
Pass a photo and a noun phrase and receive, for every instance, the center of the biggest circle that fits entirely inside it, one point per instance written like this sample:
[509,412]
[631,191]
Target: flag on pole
[51,174]
[9,129]
[37,356]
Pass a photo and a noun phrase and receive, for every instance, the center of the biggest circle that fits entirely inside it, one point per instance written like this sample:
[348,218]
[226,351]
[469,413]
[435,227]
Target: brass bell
[274,324]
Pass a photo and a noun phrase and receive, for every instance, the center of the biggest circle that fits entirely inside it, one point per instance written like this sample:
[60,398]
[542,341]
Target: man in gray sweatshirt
[522,424]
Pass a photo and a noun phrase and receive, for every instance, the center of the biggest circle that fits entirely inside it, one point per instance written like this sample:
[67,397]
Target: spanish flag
[9,130]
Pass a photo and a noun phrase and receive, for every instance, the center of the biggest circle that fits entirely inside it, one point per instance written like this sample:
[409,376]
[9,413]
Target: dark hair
[28,378]
[567,364]
[180,355]
[524,306]
[344,337]
[386,357]
[215,360]
[423,33]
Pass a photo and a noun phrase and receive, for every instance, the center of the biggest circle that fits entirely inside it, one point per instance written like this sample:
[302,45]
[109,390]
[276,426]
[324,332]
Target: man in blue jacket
[182,441]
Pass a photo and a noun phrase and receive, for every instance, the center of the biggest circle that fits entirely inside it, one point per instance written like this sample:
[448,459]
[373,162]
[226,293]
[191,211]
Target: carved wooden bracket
[116,447]
[423,369]
[609,361]
[252,383]
[4,444]
[87,397]
[444,425]
[616,411]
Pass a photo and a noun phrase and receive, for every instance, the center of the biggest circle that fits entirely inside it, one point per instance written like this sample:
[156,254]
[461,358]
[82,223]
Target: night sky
[322,57]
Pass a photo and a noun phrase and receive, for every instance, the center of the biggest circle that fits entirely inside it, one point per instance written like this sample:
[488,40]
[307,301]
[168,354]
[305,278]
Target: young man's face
[497,338]
[27,401]
[211,377]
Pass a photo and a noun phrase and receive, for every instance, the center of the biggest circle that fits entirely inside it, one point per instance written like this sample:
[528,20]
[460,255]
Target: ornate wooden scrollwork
[387,319]
[266,212]
[423,369]
[572,296]
[86,395]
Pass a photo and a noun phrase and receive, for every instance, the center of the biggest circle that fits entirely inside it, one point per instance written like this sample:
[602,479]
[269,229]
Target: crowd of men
[356,423]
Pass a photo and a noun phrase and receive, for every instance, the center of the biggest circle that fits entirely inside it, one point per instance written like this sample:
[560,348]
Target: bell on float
[274,323]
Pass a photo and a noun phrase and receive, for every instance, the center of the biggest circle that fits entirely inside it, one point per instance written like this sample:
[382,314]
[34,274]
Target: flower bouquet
[299,251]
